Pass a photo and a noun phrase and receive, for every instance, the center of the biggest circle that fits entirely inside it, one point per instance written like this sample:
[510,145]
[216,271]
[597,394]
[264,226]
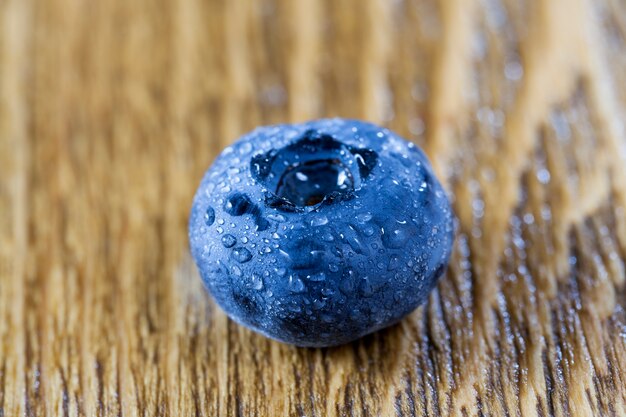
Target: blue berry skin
[316,234]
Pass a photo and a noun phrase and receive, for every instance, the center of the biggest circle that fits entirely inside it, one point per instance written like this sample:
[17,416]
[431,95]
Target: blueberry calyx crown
[314,170]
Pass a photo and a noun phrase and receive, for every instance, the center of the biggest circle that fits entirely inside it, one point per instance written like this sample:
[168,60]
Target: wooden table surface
[110,111]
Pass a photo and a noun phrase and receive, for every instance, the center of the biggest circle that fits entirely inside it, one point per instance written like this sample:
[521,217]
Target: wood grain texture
[111,111]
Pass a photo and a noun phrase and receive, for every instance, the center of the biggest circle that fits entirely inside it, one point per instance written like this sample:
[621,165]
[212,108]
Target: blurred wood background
[110,111]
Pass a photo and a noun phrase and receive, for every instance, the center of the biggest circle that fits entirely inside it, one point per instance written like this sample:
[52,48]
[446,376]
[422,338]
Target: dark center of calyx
[308,183]
[312,169]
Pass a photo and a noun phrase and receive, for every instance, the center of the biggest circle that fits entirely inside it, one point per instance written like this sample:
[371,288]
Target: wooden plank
[111,111]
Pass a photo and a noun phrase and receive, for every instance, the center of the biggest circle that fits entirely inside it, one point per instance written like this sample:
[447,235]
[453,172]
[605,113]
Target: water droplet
[363,217]
[245,148]
[513,70]
[327,236]
[228,241]
[327,319]
[543,176]
[395,238]
[320,276]
[241,254]
[327,292]
[366,287]
[478,208]
[219,230]
[214,267]
[244,239]
[352,239]
[368,230]
[319,220]
[281,272]
[209,216]
[295,284]
[333,268]
[256,282]
[276,217]
[236,270]
[294,308]
[318,303]
[220,221]
[561,126]
[419,268]
[346,285]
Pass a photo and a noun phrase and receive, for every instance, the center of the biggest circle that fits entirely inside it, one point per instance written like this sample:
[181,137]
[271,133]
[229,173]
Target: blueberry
[318,233]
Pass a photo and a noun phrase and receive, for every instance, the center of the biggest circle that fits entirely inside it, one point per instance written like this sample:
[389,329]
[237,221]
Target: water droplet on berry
[295,284]
[368,230]
[228,241]
[327,236]
[241,254]
[327,292]
[256,281]
[366,287]
[209,216]
[395,238]
[316,277]
[327,319]
[294,308]
[394,262]
[276,217]
[352,239]
[319,220]
[363,217]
